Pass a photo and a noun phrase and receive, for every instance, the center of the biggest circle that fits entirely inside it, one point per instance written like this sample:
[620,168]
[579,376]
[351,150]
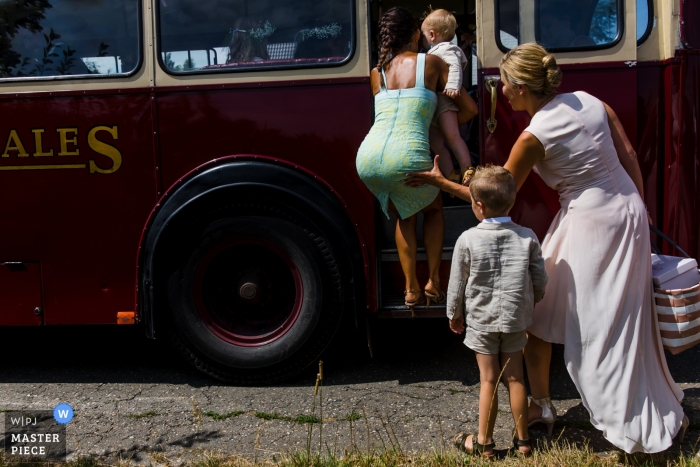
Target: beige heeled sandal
[549,414]
[436,296]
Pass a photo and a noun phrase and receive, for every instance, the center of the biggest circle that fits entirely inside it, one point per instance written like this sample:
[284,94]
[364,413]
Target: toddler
[438,30]
[497,277]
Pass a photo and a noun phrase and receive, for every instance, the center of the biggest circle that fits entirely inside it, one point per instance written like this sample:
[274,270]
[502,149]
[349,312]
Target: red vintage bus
[157,170]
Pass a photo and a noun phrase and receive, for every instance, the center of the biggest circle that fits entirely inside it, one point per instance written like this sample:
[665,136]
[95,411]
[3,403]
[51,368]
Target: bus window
[563,25]
[508,24]
[578,24]
[217,35]
[68,38]
[645,19]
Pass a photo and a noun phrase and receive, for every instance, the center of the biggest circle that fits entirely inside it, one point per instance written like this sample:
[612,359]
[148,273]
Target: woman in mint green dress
[404,85]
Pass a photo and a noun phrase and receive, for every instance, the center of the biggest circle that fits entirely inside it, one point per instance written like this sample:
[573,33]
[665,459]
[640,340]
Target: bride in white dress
[598,301]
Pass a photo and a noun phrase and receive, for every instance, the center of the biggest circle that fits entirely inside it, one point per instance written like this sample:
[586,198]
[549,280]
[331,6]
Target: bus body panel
[80,222]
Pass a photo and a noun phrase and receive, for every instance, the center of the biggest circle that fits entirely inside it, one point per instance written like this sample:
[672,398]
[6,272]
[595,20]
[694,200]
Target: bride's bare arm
[526,152]
[434,177]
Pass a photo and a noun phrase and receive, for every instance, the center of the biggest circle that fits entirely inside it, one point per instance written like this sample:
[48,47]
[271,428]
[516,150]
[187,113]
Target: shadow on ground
[407,351]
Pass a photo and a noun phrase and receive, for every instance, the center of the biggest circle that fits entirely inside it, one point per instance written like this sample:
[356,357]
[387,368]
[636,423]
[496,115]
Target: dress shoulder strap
[420,71]
[384,86]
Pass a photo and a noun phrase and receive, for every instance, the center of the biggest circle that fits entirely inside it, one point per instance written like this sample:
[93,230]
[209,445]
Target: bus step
[394,307]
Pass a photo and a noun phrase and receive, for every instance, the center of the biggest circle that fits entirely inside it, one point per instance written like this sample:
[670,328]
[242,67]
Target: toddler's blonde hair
[495,187]
[530,64]
[442,22]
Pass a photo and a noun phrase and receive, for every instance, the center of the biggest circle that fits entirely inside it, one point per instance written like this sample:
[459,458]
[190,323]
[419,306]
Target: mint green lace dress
[397,143]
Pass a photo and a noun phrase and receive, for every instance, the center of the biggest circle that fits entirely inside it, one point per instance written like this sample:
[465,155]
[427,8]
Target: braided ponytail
[396,29]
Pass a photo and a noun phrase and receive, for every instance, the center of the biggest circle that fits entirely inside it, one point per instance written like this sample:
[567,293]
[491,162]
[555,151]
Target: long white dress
[599,301]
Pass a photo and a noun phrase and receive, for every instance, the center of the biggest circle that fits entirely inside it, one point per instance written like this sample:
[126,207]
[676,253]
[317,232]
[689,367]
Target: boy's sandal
[518,443]
[477,448]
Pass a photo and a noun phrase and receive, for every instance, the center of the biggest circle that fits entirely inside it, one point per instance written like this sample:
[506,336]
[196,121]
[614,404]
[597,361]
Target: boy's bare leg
[538,355]
[515,381]
[437,145]
[489,370]
[433,237]
[450,130]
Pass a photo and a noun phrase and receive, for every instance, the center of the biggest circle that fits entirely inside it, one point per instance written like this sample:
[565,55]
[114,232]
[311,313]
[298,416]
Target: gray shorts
[492,343]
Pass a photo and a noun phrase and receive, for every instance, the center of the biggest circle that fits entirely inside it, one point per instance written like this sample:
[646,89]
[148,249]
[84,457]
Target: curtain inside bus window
[231,34]
[568,25]
[68,37]
[508,24]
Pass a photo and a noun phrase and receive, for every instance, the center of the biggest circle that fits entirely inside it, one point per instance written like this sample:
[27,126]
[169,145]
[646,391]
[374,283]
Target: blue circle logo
[63,413]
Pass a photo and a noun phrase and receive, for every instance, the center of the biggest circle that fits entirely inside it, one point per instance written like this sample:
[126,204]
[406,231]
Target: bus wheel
[258,301]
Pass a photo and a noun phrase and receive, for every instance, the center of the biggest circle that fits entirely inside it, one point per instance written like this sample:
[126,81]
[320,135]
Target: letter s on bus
[105,149]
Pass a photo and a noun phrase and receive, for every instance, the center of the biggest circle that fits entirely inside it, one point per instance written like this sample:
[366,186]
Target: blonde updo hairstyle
[531,65]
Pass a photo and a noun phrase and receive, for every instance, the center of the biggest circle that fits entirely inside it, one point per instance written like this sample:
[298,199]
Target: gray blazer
[497,277]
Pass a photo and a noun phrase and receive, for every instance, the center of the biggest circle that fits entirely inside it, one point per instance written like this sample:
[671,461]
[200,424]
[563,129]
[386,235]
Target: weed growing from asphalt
[354,416]
[219,416]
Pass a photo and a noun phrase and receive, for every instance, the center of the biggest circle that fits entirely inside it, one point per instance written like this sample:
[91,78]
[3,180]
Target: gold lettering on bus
[38,146]
[65,140]
[105,149]
[14,144]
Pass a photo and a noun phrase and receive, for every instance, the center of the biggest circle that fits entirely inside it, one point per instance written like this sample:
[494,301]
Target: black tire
[273,332]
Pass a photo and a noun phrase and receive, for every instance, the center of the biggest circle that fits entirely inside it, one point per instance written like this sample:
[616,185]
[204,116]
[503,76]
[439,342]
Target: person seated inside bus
[558,30]
[249,41]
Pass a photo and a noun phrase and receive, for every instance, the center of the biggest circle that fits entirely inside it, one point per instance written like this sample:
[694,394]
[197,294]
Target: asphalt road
[136,399]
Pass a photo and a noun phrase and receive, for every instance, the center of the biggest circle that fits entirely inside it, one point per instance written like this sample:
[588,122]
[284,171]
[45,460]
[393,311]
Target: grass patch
[136,416]
[297,419]
[219,416]
[558,454]
[352,417]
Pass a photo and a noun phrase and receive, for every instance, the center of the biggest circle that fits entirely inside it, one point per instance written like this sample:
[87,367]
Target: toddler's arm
[537,271]
[453,57]
[459,275]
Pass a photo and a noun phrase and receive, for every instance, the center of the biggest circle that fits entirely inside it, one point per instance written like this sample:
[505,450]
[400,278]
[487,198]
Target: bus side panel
[537,204]
[651,103]
[81,209]
[683,187]
[315,126]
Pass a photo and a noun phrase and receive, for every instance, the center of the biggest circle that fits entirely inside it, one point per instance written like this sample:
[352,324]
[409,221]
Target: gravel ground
[135,399]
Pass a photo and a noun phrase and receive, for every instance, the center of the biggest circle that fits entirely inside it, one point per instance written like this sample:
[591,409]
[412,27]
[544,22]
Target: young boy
[438,30]
[497,276]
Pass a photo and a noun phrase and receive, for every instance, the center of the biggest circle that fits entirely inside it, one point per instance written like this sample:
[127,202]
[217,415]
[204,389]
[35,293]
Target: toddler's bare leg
[437,145]
[450,129]
[515,381]
[489,370]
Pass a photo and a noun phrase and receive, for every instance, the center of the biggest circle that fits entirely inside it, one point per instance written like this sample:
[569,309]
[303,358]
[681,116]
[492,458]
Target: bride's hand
[429,177]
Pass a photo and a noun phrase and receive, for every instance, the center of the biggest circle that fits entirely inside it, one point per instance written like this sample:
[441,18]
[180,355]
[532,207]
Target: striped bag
[678,312]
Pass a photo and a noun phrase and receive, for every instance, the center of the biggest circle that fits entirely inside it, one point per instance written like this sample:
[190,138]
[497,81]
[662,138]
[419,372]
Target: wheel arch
[233,175]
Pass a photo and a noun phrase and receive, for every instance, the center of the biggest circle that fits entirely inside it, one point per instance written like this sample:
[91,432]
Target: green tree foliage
[16,15]
[604,22]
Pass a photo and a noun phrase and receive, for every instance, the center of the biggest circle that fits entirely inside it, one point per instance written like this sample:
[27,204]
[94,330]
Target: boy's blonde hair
[442,22]
[493,186]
